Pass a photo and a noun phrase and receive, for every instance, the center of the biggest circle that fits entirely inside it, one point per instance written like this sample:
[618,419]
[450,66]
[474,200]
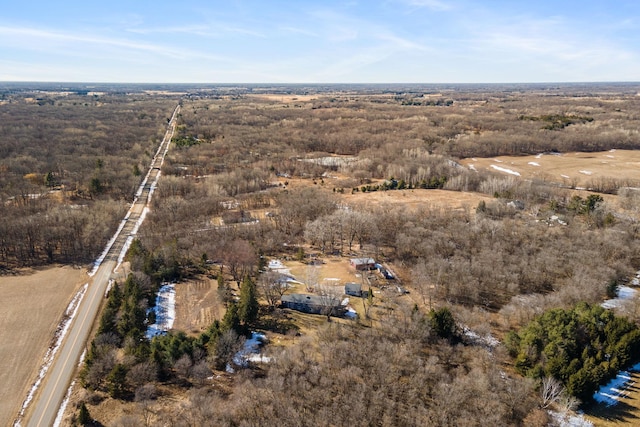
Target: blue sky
[308,41]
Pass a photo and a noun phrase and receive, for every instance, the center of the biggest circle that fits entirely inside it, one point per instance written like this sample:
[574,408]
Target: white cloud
[437,5]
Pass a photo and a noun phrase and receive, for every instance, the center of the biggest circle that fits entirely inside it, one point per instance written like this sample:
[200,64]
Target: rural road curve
[49,398]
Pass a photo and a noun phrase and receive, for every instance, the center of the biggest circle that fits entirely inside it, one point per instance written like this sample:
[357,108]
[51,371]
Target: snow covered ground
[625,293]
[250,352]
[277,265]
[534,163]
[617,388]
[569,420]
[165,310]
[488,340]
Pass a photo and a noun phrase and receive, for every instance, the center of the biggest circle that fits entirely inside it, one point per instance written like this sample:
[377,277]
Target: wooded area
[254,175]
[69,165]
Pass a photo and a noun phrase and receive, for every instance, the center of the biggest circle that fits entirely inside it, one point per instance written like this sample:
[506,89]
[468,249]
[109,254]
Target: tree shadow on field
[276,320]
[622,412]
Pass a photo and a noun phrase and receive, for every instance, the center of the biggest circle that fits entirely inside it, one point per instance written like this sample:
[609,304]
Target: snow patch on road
[98,261]
[534,164]
[586,172]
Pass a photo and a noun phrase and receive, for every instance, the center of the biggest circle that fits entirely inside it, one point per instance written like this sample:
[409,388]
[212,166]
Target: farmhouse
[362,263]
[313,304]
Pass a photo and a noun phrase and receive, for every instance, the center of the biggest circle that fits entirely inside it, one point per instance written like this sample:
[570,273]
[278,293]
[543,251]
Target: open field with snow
[32,307]
[576,169]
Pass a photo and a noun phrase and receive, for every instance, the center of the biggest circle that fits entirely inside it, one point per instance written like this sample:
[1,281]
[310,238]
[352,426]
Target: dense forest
[69,164]
[254,175]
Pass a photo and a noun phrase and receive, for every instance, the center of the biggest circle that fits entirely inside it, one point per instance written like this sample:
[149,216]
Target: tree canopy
[582,347]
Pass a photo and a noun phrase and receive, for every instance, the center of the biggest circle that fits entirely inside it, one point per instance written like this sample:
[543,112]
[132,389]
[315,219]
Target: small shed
[353,289]
[361,264]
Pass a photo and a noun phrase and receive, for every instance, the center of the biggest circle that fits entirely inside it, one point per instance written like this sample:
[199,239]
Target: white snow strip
[613,150]
[130,238]
[539,156]
[109,286]
[534,164]
[474,159]
[473,168]
[610,156]
[565,176]
[585,172]
[59,335]
[98,261]
[63,407]
[505,170]
[497,160]
[165,310]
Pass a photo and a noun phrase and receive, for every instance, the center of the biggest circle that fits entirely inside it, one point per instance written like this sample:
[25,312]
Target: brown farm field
[575,169]
[32,307]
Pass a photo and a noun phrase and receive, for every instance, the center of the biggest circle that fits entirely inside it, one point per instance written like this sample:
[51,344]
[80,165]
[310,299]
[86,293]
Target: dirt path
[32,307]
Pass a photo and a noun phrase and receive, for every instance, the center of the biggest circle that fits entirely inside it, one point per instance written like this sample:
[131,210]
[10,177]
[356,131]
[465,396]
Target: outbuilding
[361,264]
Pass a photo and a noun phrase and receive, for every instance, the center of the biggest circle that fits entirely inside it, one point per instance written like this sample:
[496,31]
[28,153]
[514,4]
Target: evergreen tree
[248,304]
[443,323]
[116,381]
[84,418]
[231,320]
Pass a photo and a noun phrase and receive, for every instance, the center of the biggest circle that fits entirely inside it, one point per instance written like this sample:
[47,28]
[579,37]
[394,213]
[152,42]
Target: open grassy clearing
[420,199]
[197,305]
[571,169]
[32,306]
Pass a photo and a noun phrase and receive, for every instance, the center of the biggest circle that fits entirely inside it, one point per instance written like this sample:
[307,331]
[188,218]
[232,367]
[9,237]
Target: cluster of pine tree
[583,347]
[121,359]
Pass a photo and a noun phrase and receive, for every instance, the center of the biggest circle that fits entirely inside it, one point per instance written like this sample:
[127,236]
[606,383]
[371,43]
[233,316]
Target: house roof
[360,261]
[307,299]
[353,286]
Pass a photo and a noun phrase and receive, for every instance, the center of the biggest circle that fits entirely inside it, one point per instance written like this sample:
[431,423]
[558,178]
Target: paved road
[48,400]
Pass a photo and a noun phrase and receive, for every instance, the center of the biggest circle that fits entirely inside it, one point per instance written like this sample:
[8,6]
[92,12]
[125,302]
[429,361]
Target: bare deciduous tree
[272,286]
